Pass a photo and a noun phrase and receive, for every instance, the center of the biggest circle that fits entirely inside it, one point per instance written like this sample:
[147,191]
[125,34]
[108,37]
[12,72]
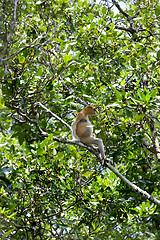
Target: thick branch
[121,10]
[148,146]
[80,144]
[155,138]
[130,30]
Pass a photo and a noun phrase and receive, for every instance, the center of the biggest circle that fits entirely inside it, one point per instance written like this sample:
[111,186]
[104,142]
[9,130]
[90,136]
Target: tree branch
[155,138]
[148,146]
[121,10]
[54,115]
[133,186]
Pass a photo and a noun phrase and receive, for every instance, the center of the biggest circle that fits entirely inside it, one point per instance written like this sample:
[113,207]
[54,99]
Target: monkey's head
[89,110]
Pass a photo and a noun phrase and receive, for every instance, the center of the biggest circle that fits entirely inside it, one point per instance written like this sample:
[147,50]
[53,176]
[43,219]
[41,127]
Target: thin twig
[54,115]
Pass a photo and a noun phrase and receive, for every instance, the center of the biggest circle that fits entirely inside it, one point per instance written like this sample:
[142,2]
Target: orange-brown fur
[82,128]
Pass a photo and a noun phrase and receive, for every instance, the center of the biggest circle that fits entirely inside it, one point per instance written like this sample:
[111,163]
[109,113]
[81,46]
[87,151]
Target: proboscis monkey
[82,128]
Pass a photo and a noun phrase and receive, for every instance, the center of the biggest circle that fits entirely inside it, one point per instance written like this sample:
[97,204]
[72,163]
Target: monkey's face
[90,110]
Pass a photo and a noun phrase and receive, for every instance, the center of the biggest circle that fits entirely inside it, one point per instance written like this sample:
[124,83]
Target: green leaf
[91,17]
[67,58]
[153,93]
[133,63]
[73,30]
[86,210]
[8,233]
[144,65]
[157,122]
[157,11]
[58,40]
[119,95]
[138,117]
[60,69]
[42,159]
[1,72]
[92,25]
[147,97]
[40,151]
[158,55]
[104,10]
[74,151]
[21,59]
[144,50]
[40,71]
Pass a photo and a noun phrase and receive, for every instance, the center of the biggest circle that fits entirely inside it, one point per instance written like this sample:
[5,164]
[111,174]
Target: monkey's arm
[74,130]
[74,125]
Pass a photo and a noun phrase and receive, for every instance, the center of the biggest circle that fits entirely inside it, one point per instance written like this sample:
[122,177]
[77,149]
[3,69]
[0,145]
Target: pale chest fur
[84,128]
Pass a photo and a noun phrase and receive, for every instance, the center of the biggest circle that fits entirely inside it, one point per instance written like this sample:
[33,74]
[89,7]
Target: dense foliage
[57,57]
